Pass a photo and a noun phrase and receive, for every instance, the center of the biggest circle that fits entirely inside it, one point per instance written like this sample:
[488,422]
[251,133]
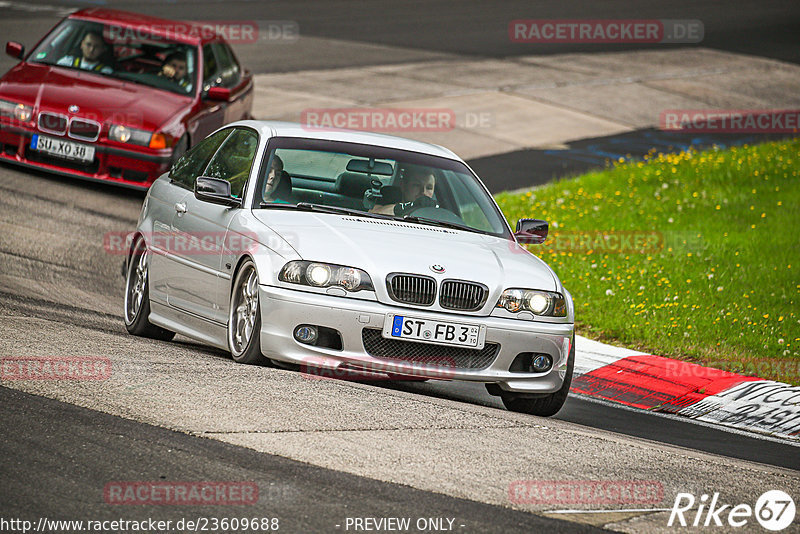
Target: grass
[721,285]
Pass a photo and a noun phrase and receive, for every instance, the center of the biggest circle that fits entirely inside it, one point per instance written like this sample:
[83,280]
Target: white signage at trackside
[761,406]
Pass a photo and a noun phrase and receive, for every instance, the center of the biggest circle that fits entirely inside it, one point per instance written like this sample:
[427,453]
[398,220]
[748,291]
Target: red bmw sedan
[117,97]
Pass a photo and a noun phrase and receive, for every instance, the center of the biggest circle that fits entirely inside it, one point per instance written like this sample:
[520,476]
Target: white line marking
[607,511]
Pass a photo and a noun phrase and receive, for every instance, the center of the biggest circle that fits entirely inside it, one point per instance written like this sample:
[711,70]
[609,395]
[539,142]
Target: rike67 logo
[774,510]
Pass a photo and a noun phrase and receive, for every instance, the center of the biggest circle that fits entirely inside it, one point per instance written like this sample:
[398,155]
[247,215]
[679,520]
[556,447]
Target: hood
[381,246]
[100,98]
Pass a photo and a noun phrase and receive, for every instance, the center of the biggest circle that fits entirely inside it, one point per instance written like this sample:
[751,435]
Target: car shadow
[87,184]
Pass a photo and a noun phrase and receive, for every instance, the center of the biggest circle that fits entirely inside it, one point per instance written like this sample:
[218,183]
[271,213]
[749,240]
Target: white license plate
[62,148]
[441,332]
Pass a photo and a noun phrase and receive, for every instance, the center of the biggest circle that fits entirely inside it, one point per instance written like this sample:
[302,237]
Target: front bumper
[283,309]
[130,168]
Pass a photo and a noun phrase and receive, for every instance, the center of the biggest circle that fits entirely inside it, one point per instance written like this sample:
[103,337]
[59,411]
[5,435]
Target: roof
[191,32]
[293,129]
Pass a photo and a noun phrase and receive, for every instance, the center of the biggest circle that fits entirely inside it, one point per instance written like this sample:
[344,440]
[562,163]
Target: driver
[174,69]
[92,49]
[273,187]
[416,185]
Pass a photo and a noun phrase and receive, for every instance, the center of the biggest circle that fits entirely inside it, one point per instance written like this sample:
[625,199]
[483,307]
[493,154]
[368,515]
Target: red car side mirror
[222,94]
[15,50]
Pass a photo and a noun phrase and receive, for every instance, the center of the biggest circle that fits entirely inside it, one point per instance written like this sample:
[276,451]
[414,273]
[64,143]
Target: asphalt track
[64,477]
[430,28]
[57,455]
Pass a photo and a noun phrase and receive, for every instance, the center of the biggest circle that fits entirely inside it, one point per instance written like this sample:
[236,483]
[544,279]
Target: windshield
[133,55]
[376,180]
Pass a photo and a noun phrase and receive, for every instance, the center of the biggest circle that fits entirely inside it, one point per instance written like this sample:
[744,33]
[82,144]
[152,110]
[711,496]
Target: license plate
[440,332]
[62,148]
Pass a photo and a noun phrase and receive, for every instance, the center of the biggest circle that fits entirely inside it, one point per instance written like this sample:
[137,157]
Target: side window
[234,160]
[191,165]
[211,77]
[227,65]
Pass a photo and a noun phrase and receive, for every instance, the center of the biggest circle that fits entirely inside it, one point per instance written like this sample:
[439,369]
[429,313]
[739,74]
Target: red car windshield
[132,54]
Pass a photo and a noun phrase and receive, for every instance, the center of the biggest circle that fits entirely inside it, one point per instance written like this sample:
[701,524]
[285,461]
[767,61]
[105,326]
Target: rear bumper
[282,310]
[129,168]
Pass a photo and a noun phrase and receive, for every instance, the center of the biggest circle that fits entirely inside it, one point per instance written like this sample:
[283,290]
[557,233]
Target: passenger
[175,69]
[277,187]
[417,185]
[93,47]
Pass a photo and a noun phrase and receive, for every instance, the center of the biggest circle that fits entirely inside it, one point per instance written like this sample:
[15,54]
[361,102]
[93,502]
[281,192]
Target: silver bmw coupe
[345,250]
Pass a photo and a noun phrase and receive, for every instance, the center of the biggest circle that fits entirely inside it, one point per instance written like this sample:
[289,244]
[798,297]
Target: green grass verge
[716,277]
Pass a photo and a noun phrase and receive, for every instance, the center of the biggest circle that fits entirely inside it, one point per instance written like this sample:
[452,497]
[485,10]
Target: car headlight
[21,112]
[545,303]
[316,274]
[126,134]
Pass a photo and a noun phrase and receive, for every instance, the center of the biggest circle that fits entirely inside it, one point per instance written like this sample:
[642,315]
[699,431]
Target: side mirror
[215,191]
[15,50]
[223,94]
[531,231]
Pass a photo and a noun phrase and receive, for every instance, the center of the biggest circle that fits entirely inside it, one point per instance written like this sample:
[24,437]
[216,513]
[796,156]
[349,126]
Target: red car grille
[52,123]
[84,129]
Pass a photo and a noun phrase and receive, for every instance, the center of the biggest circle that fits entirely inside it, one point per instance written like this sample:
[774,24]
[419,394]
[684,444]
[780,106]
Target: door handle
[180,207]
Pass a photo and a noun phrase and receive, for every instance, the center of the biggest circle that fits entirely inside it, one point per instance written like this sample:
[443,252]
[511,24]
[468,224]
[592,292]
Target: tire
[137,297]
[244,317]
[545,405]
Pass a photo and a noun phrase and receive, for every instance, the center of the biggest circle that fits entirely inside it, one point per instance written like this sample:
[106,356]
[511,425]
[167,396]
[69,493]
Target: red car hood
[100,98]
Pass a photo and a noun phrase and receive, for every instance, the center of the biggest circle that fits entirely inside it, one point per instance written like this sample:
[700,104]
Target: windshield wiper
[309,206]
[436,222]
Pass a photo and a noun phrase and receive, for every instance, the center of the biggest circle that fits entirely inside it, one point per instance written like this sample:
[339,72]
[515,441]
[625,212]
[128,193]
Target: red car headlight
[14,110]
[125,134]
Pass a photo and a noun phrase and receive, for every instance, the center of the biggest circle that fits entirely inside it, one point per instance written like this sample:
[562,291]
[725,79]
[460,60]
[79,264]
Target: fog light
[306,334]
[541,363]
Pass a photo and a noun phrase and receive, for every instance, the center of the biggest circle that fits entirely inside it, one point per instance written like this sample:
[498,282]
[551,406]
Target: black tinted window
[191,165]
